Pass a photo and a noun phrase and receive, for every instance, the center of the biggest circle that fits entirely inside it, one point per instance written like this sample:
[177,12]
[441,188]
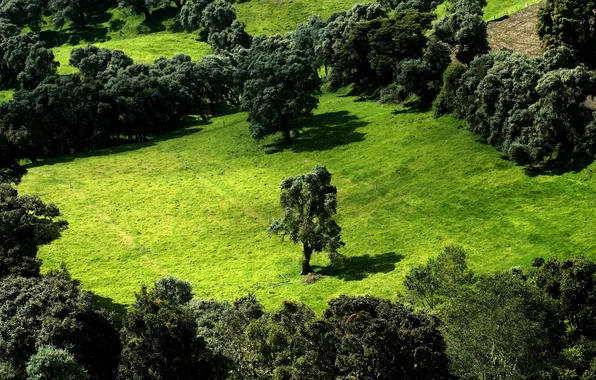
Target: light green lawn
[197,204]
[6,95]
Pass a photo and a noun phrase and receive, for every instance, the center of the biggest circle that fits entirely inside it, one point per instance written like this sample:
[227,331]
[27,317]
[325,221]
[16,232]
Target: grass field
[146,41]
[197,203]
[6,95]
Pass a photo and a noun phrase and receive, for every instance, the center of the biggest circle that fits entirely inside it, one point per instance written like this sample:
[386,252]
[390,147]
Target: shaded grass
[197,203]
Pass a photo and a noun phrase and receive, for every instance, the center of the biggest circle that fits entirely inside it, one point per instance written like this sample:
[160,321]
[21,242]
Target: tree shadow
[360,267]
[413,107]
[555,167]
[188,127]
[156,23]
[118,310]
[325,131]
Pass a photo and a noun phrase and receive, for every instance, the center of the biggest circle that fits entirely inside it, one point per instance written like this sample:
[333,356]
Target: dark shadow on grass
[413,107]
[360,267]
[118,310]
[323,132]
[156,22]
[189,126]
[554,167]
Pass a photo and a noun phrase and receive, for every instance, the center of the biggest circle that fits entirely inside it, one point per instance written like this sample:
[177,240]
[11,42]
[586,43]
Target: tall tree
[570,23]
[309,202]
[281,87]
[23,12]
[27,223]
[75,11]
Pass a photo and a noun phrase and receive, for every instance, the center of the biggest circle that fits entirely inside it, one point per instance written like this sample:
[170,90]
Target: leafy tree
[559,119]
[439,279]
[75,11]
[53,310]
[23,13]
[422,77]
[368,56]
[230,38]
[14,52]
[400,5]
[570,23]
[217,17]
[503,328]
[222,325]
[51,363]
[192,12]
[173,290]
[290,344]
[446,102]
[160,336]
[27,223]
[464,29]
[378,339]
[306,38]
[309,202]
[281,87]
[10,155]
[39,65]
[92,61]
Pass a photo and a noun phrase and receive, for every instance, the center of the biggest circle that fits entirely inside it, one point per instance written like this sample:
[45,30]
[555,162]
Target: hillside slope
[197,204]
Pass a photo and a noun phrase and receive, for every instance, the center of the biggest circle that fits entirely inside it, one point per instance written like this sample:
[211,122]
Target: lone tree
[309,202]
[281,86]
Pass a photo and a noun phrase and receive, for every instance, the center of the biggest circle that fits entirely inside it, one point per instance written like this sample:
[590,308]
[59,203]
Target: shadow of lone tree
[359,267]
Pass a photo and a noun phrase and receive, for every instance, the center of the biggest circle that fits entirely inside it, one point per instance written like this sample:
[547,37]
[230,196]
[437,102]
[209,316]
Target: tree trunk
[178,4]
[147,13]
[285,131]
[306,268]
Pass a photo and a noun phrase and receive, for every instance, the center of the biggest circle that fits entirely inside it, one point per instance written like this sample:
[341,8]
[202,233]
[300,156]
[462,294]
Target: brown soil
[517,32]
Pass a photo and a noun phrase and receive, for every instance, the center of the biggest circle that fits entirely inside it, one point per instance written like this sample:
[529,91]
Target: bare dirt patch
[517,32]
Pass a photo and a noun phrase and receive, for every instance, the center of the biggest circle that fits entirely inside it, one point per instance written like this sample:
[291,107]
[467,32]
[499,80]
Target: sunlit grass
[6,95]
[197,203]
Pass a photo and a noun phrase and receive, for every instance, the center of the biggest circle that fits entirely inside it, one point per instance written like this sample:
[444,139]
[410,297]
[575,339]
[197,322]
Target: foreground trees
[310,203]
[280,86]
[27,223]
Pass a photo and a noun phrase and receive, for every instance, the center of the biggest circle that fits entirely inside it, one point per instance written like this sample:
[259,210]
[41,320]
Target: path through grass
[197,204]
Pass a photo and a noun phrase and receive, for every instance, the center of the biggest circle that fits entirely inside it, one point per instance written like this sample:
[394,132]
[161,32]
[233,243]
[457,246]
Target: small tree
[51,363]
[309,202]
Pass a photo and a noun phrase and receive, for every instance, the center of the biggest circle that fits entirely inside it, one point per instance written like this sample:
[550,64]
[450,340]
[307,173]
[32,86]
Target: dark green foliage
[223,327]
[502,328]
[160,340]
[464,29]
[191,13]
[10,155]
[422,77]
[27,223]
[572,283]
[92,61]
[369,54]
[23,13]
[173,290]
[280,87]
[306,38]
[74,11]
[570,23]
[309,202]
[439,279]
[52,310]
[143,6]
[446,101]
[400,5]
[217,16]
[14,51]
[378,339]
[39,65]
[51,363]
[230,38]
[290,344]
[338,28]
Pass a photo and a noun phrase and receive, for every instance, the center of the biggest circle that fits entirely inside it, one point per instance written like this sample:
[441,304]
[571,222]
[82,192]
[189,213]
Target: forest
[447,318]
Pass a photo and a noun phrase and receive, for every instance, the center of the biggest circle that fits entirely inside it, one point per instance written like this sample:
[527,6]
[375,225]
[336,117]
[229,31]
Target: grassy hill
[146,41]
[197,203]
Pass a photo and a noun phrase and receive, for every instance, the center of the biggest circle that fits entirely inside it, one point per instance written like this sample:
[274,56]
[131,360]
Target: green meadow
[197,203]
